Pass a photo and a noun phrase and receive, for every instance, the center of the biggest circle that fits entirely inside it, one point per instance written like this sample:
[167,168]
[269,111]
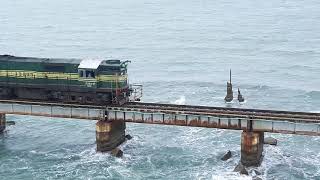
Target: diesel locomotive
[81,81]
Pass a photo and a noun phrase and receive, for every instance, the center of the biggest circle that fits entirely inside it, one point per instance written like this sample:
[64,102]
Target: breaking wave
[180,101]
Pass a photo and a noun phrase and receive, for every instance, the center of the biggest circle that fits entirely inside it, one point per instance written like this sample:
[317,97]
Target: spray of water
[180,101]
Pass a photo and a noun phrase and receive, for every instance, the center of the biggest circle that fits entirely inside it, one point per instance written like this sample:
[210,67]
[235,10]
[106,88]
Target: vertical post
[230,76]
[109,134]
[251,148]
[2,123]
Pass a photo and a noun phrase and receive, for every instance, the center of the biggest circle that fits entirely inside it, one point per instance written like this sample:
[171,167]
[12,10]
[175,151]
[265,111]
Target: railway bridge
[111,121]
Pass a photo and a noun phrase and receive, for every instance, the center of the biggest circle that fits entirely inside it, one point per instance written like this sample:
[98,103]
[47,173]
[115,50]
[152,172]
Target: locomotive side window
[86,73]
[90,74]
[81,73]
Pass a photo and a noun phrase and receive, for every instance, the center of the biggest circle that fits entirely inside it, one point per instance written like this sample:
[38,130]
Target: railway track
[226,111]
[191,109]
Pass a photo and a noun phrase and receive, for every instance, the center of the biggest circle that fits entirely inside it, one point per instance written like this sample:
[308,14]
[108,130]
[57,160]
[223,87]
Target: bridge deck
[234,112]
[182,115]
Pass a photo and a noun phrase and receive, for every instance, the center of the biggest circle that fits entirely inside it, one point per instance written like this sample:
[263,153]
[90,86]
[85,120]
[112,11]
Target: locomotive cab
[87,71]
[106,78]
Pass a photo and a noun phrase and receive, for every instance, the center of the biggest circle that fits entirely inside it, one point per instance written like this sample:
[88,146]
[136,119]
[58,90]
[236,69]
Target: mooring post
[251,147]
[109,135]
[2,123]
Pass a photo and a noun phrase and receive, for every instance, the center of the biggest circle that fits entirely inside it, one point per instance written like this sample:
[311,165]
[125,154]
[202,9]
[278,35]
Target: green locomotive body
[89,81]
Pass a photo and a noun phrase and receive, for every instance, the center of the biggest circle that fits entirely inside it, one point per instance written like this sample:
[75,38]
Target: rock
[270,141]
[244,171]
[2,129]
[226,156]
[128,137]
[257,172]
[238,167]
[256,178]
[117,152]
[241,169]
[10,123]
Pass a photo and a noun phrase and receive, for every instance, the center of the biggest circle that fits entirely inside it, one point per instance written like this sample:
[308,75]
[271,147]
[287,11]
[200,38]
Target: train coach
[82,81]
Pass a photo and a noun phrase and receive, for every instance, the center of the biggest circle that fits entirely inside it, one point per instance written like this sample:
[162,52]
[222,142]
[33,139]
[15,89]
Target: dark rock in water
[244,171]
[256,178]
[10,123]
[2,128]
[241,169]
[128,137]
[227,156]
[117,152]
[240,97]
[238,167]
[270,141]
[257,172]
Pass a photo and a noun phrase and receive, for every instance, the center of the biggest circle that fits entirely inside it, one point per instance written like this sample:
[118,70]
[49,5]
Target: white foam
[181,100]
[231,176]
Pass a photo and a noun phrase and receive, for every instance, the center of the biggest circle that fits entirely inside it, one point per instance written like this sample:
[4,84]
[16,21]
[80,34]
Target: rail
[288,122]
[232,112]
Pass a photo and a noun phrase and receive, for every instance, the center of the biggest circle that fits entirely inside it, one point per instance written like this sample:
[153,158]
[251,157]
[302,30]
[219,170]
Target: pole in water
[229,96]
[240,97]
[230,76]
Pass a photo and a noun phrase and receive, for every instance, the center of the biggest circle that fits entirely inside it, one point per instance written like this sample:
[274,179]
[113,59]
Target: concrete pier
[109,134]
[2,123]
[251,148]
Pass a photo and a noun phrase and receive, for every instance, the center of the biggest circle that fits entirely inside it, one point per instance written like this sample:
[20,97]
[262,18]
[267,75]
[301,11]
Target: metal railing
[182,115]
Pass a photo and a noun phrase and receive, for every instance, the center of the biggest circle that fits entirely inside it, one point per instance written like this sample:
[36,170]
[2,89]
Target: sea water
[181,51]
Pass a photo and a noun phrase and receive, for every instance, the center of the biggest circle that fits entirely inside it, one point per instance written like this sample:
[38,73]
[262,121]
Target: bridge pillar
[109,134]
[251,148]
[2,123]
